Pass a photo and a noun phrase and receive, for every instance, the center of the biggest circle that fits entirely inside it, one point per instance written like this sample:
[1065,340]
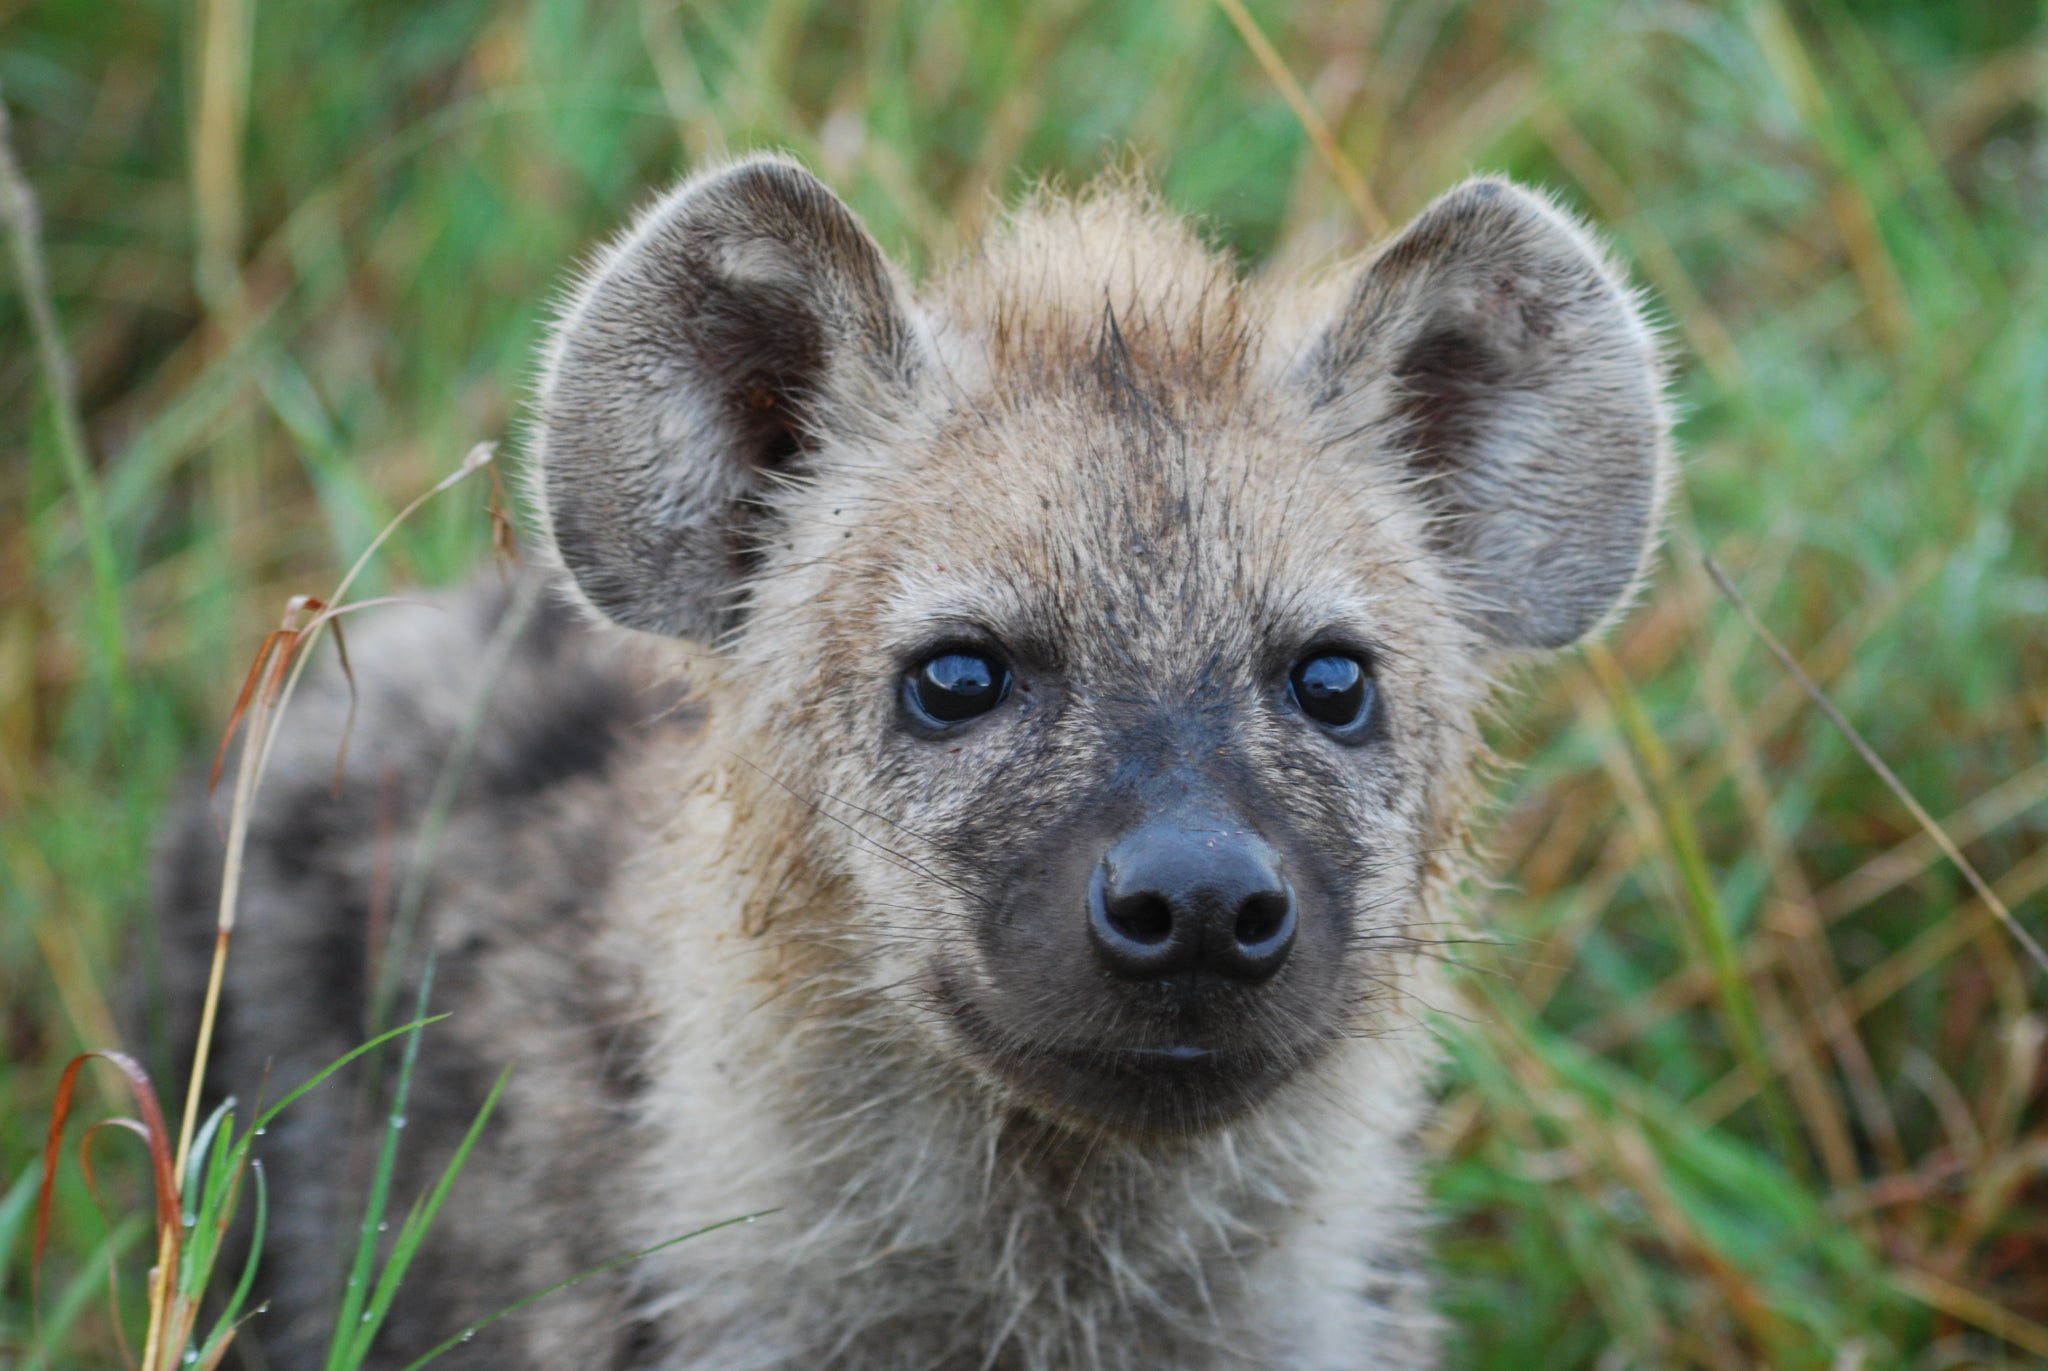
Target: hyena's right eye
[953,686]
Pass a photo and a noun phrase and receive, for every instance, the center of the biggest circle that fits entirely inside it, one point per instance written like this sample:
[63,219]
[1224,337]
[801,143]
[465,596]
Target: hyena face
[1121,624]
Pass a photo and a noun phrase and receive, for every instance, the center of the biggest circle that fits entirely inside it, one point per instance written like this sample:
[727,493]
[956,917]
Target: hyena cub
[1008,840]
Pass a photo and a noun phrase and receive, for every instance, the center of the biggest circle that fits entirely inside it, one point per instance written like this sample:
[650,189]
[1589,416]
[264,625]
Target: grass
[1748,1073]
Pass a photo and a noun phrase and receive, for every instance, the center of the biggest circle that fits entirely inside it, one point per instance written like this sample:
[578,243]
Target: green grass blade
[212,1192]
[263,1120]
[416,1224]
[347,1320]
[14,1211]
[224,1329]
[195,1177]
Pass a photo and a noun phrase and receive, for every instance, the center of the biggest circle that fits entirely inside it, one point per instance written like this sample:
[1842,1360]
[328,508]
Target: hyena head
[1120,624]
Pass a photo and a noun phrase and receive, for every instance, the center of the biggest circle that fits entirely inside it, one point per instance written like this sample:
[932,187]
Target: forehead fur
[1109,290]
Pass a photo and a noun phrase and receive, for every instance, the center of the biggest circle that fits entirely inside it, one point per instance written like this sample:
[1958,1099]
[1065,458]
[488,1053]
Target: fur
[755,945]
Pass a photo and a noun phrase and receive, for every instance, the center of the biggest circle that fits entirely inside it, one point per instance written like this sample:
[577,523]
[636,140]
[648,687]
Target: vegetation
[1743,1070]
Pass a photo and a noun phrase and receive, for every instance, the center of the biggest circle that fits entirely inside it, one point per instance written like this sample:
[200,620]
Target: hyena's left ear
[745,324]
[1494,349]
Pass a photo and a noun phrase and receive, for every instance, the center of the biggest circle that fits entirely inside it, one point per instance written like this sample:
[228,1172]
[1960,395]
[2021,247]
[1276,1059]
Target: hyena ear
[742,325]
[1495,350]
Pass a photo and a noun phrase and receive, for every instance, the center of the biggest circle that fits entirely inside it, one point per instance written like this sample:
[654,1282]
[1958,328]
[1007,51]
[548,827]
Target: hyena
[986,780]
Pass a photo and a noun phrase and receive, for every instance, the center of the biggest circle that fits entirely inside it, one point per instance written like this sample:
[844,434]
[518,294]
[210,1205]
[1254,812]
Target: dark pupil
[958,685]
[1332,690]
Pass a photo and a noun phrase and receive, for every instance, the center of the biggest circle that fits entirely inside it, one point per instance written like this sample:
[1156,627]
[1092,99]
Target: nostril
[1145,917]
[1264,917]
[1133,931]
[1263,934]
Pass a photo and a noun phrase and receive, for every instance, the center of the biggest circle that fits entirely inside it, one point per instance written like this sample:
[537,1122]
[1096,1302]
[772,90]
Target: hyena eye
[954,686]
[1335,689]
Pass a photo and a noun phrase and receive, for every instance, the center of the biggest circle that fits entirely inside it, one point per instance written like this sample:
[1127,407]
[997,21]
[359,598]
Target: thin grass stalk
[441,803]
[19,211]
[219,130]
[472,1330]
[246,773]
[474,461]
[1877,764]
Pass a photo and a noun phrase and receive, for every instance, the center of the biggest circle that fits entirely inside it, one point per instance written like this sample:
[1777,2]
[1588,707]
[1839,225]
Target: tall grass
[1748,1073]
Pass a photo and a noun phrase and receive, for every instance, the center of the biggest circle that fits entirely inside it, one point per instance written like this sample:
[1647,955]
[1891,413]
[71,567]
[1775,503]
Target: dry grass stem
[1312,123]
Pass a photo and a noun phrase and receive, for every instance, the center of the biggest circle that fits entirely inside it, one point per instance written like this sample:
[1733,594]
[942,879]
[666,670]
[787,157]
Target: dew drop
[384,1227]
[261,1131]
[398,1120]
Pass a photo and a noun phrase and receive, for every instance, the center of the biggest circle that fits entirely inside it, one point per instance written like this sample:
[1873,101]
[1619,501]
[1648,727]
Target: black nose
[1180,895]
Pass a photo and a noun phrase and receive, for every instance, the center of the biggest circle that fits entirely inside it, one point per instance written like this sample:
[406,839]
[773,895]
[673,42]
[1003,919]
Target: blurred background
[1741,1074]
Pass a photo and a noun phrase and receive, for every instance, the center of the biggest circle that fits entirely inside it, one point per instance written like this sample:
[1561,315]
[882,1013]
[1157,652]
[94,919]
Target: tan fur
[1156,485]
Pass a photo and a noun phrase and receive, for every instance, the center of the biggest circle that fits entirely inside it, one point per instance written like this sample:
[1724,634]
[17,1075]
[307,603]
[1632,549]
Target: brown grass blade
[504,532]
[1967,1306]
[168,1226]
[1348,180]
[241,709]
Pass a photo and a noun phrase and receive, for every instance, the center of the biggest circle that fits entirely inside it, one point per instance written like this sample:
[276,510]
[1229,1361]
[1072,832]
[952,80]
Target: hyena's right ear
[745,322]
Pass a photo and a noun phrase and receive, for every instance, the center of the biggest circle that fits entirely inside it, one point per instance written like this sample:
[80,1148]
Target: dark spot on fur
[343,953]
[574,737]
[638,1347]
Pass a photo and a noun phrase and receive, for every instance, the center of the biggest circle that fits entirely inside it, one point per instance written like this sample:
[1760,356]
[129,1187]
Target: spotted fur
[756,945]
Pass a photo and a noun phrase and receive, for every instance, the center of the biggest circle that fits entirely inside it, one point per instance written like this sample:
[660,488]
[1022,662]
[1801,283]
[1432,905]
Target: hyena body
[1012,842]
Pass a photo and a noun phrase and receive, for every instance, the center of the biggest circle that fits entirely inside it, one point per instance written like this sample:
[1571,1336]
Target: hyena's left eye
[954,686]
[1335,689]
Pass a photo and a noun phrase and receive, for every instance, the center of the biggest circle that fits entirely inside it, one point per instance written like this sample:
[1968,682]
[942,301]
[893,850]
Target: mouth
[1172,1089]
[1177,1053]
[1166,1089]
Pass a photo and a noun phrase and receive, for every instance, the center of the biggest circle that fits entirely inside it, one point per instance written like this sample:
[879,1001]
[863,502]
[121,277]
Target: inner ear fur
[1495,351]
[742,323]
